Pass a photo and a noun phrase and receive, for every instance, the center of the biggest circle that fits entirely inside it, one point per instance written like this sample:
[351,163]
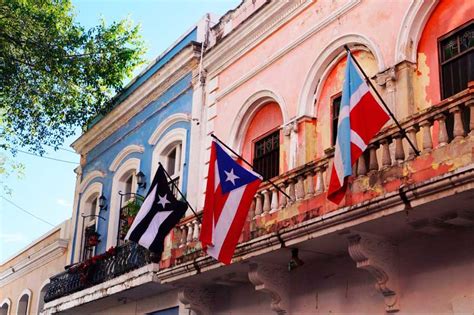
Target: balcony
[389,179]
[98,269]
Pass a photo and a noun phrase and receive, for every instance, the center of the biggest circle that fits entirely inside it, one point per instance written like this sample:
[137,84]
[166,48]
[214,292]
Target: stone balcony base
[140,282]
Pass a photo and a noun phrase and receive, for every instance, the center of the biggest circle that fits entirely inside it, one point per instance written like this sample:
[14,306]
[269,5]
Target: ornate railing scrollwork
[98,269]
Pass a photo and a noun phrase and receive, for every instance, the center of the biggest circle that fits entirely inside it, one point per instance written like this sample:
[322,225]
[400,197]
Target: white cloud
[64,203]
[12,237]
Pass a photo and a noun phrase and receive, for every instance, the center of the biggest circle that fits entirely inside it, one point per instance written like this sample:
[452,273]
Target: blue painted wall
[177,99]
[190,37]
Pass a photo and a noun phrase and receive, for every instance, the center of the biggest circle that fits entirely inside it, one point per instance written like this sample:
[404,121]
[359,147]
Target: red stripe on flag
[206,229]
[336,190]
[367,117]
[232,237]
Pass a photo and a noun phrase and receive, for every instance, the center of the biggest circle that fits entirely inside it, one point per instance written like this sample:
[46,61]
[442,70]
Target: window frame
[94,188]
[440,53]
[261,137]
[334,132]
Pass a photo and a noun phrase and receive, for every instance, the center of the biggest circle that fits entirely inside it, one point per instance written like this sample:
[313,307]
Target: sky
[46,189]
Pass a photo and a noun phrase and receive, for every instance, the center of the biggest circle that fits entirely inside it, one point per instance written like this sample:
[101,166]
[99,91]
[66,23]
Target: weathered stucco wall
[447,16]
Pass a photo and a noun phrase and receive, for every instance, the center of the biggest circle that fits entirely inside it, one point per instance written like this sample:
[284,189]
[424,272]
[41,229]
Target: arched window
[87,224]
[5,307]
[42,293]
[127,185]
[328,103]
[24,303]
[262,140]
[124,187]
[170,152]
[172,159]
[90,225]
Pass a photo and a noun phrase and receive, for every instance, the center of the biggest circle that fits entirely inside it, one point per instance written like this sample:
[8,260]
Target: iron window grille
[456,53]
[336,106]
[456,57]
[266,159]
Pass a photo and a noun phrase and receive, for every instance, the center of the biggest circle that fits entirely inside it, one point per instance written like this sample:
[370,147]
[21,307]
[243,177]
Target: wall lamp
[141,180]
[102,203]
[295,261]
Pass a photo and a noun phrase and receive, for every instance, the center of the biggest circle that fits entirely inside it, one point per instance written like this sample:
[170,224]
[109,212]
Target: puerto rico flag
[229,193]
[360,118]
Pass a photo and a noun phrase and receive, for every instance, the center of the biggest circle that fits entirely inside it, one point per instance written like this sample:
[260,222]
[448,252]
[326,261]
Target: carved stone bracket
[197,299]
[289,127]
[273,280]
[386,77]
[379,258]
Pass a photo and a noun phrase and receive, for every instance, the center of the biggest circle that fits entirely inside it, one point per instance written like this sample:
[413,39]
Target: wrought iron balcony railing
[115,262]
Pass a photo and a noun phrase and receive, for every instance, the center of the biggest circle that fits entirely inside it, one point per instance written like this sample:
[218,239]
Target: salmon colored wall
[442,21]
[331,87]
[286,76]
[268,118]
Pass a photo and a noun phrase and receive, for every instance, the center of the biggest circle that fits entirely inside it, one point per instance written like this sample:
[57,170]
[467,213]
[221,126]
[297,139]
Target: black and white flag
[159,213]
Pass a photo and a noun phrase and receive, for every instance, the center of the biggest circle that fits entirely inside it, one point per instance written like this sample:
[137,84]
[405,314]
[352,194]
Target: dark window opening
[266,159]
[456,52]
[336,106]
[128,188]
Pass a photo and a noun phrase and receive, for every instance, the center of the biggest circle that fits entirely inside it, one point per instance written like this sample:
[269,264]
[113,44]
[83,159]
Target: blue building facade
[149,124]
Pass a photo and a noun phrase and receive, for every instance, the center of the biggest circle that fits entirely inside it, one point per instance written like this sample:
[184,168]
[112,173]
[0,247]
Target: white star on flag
[163,200]
[231,177]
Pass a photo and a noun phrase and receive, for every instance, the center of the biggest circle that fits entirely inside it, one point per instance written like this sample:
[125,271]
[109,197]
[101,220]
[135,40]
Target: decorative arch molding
[168,122]
[8,303]
[411,29]
[23,293]
[127,166]
[323,64]
[89,178]
[173,136]
[248,111]
[133,148]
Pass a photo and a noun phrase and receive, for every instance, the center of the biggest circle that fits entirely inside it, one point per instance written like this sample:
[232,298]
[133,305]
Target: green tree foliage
[55,74]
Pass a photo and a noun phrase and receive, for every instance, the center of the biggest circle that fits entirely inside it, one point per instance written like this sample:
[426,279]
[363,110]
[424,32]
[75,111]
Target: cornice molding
[251,33]
[285,50]
[184,63]
[34,261]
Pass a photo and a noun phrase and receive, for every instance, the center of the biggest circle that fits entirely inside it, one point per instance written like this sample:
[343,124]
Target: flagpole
[185,200]
[246,162]
[383,103]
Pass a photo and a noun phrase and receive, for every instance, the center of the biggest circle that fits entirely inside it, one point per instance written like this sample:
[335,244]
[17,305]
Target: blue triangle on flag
[232,175]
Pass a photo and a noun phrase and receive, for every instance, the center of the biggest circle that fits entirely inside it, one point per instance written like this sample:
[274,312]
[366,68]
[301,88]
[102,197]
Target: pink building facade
[268,85]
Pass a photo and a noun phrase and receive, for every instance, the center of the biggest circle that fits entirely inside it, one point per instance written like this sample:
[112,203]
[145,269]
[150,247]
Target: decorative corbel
[386,78]
[273,280]
[292,126]
[196,299]
[379,258]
